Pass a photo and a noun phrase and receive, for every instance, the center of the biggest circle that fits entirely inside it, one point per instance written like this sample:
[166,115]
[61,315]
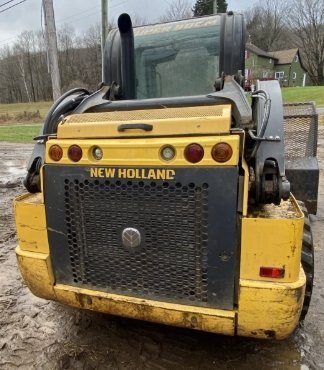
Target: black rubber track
[307,260]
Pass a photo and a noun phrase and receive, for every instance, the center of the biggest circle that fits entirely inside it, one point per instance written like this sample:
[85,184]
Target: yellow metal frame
[266,309]
[31,223]
[201,120]
[272,242]
[245,188]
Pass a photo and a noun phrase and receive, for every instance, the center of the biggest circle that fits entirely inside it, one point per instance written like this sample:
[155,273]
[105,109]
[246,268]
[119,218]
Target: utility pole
[215,6]
[52,47]
[104,28]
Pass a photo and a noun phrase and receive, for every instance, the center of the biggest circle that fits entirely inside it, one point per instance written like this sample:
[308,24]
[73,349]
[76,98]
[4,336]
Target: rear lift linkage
[265,143]
[266,152]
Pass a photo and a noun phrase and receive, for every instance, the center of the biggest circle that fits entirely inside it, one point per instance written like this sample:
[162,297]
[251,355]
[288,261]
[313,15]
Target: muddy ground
[36,334]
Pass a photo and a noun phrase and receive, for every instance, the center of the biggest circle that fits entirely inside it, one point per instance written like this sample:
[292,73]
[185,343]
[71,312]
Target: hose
[47,127]
[267,109]
[32,181]
[67,107]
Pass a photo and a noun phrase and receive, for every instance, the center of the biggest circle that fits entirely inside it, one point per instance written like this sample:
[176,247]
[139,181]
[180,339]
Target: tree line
[271,25]
[24,75]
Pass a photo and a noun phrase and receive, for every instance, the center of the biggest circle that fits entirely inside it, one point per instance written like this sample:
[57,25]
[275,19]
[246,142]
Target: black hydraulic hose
[47,129]
[66,107]
[32,181]
[265,120]
[266,113]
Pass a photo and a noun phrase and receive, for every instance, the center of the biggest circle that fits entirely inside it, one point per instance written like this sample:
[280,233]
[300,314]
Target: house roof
[284,56]
[258,51]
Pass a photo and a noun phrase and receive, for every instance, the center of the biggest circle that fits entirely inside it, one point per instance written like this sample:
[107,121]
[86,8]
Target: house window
[294,75]
[280,75]
[296,58]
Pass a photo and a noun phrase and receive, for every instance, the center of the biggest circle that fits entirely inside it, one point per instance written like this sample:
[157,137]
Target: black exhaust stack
[127,57]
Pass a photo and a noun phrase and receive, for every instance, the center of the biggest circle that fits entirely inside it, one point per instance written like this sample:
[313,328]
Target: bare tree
[178,9]
[92,37]
[91,71]
[10,81]
[21,68]
[306,21]
[26,43]
[68,58]
[266,24]
[138,20]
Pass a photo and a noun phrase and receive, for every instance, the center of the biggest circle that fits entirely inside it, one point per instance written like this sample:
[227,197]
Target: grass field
[19,133]
[24,132]
[304,94]
[23,113]
[41,106]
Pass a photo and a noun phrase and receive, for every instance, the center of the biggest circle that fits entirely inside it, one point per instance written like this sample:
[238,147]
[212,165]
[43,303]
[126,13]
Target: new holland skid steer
[163,195]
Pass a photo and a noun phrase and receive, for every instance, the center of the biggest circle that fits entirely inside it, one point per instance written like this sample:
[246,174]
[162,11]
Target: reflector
[272,272]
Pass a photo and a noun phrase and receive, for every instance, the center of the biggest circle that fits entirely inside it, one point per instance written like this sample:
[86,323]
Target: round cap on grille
[131,238]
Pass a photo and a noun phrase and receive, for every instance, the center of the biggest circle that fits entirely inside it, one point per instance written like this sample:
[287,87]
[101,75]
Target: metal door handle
[135,126]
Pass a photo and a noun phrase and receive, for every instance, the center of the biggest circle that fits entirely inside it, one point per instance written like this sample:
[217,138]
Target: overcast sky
[80,14]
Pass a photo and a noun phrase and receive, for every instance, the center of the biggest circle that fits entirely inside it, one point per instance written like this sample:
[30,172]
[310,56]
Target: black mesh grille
[301,125]
[171,263]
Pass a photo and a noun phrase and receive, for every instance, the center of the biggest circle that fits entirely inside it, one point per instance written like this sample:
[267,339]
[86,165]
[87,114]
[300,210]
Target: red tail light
[272,272]
[75,153]
[194,153]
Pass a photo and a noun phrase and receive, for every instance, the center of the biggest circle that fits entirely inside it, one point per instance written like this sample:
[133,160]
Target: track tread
[307,260]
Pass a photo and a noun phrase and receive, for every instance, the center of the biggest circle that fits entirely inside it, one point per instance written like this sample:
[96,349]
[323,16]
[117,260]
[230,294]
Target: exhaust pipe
[127,57]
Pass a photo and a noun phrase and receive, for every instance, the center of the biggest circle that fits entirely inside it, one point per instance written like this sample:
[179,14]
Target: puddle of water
[17,172]
[12,170]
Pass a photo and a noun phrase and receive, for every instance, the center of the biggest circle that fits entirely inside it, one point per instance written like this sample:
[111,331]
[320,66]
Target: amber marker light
[55,153]
[194,153]
[222,152]
[272,272]
[75,153]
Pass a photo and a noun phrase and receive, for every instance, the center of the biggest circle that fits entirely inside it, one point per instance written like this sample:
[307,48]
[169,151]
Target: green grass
[304,94]
[42,106]
[24,133]
[13,114]
[19,133]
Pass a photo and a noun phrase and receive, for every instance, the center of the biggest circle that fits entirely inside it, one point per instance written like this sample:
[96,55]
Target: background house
[283,65]
[288,68]
[258,64]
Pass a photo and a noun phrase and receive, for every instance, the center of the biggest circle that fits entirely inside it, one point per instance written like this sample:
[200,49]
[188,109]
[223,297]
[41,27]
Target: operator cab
[174,59]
